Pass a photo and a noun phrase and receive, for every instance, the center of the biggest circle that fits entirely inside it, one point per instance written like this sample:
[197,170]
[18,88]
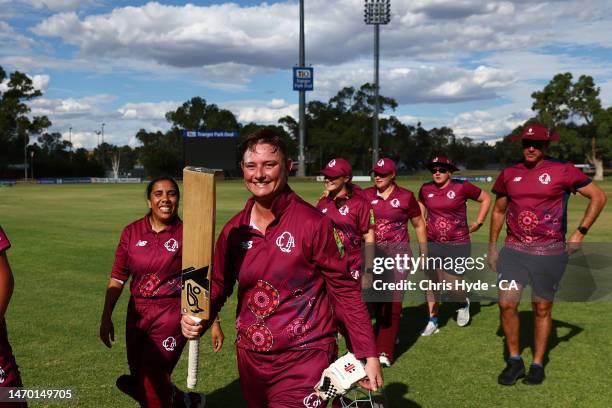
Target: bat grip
[192,364]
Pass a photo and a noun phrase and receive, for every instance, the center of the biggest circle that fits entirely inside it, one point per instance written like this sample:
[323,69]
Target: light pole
[70,140]
[301,171]
[376,12]
[103,132]
[32,157]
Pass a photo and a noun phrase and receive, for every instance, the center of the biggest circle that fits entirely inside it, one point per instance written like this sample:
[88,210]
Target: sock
[434,319]
[516,358]
[537,365]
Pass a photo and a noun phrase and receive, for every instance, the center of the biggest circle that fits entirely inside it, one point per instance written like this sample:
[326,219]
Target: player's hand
[574,243]
[107,332]
[191,330]
[374,379]
[474,227]
[217,336]
[492,257]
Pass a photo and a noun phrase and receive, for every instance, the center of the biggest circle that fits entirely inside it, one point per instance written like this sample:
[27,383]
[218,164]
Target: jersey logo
[430,195]
[312,401]
[324,210]
[246,244]
[285,242]
[518,178]
[171,245]
[169,344]
[141,243]
[331,163]
[2,375]
[395,203]
[545,178]
[380,163]
[374,202]
[355,274]
[451,194]
[344,210]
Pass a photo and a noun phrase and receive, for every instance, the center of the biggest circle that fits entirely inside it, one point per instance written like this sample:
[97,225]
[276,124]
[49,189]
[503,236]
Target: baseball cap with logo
[384,166]
[536,131]
[442,161]
[337,167]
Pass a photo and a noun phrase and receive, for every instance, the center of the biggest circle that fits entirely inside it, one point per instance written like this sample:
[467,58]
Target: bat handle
[192,365]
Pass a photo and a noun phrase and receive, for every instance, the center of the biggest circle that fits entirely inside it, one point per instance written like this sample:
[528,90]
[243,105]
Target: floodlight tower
[376,12]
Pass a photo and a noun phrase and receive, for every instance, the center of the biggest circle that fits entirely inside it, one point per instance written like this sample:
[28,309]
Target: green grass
[64,239]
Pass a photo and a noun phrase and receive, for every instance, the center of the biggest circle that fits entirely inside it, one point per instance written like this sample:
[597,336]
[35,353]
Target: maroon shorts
[283,380]
[9,372]
[154,345]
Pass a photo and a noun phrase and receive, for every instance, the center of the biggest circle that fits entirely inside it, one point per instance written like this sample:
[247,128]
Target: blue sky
[467,64]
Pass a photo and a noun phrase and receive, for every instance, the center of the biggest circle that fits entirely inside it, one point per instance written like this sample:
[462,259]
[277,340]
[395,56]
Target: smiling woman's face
[163,201]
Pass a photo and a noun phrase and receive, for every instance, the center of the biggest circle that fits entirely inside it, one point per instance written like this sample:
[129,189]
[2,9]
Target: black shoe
[535,375]
[514,370]
[127,385]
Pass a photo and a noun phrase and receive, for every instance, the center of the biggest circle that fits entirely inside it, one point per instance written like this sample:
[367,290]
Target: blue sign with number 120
[303,78]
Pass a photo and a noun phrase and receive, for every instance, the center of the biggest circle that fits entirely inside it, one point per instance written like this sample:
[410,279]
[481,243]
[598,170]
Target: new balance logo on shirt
[141,243]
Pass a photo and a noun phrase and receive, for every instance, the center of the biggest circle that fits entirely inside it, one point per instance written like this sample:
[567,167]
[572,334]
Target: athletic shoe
[194,400]
[514,370]
[535,375]
[463,314]
[384,360]
[431,328]
[127,385]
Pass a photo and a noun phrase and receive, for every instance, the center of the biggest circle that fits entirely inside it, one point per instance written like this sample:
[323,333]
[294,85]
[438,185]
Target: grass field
[64,239]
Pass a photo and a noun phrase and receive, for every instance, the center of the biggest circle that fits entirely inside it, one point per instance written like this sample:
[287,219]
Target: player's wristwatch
[583,230]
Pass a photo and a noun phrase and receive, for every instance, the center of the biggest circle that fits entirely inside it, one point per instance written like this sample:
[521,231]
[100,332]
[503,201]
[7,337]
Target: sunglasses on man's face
[380,175]
[536,144]
[440,170]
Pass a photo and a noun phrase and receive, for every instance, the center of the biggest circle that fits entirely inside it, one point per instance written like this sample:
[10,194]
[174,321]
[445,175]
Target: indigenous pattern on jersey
[291,281]
[536,216]
[352,219]
[152,259]
[447,210]
[392,214]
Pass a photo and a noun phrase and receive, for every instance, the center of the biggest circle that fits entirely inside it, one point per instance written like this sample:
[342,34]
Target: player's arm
[107,329]
[485,202]
[597,201]
[7,283]
[498,217]
[420,229]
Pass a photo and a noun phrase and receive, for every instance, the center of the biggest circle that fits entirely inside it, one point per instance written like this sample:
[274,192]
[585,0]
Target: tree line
[342,126]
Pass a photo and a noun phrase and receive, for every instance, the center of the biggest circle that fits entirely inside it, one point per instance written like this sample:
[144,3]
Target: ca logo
[169,344]
[450,194]
[380,163]
[395,203]
[331,163]
[545,178]
[344,210]
[171,245]
[285,242]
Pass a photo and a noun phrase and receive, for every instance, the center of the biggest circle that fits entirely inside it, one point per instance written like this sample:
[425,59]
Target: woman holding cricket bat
[9,372]
[149,252]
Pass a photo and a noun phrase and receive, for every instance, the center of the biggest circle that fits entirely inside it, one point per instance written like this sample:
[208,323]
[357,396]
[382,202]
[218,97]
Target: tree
[576,106]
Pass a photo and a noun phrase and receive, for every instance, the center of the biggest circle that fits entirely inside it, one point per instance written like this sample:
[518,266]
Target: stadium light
[376,12]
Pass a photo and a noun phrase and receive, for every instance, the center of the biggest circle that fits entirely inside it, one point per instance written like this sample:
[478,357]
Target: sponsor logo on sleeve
[141,243]
[285,242]
[395,203]
[451,194]
[545,178]
[171,245]
[169,344]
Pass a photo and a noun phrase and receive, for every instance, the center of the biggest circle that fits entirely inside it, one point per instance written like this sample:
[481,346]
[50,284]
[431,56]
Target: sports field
[64,238]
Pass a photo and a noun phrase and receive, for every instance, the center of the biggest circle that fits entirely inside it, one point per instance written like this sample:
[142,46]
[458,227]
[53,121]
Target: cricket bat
[198,242]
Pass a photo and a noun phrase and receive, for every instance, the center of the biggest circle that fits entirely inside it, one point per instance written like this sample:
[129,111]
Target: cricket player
[448,233]
[291,282]
[393,207]
[532,197]
[9,371]
[149,252]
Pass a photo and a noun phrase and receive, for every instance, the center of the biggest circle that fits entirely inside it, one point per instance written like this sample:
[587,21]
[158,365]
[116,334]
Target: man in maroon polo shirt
[291,281]
[9,372]
[532,197]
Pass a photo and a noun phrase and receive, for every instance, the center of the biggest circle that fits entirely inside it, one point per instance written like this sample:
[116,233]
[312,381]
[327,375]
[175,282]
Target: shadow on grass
[228,396]
[526,334]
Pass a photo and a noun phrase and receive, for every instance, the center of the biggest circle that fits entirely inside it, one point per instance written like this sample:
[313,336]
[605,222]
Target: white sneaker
[384,360]
[431,328]
[463,314]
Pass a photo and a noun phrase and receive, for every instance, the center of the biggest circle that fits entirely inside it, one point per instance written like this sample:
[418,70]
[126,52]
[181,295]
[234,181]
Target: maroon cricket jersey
[447,210]
[393,213]
[352,220]
[291,281]
[152,259]
[536,216]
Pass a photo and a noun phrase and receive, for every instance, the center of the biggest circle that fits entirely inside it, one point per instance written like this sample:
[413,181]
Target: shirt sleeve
[421,194]
[344,291]
[223,277]
[413,207]
[121,270]
[471,191]
[4,241]
[499,188]
[575,178]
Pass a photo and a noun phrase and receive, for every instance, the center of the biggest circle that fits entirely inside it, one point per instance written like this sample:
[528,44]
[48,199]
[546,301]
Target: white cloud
[263,112]
[89,106]
[487,125]
[39,82]
[147,110]
[9,36]
[58,5]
